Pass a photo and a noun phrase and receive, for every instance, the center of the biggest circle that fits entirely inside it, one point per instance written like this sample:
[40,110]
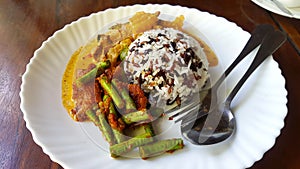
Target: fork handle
[270,44]
[256,38]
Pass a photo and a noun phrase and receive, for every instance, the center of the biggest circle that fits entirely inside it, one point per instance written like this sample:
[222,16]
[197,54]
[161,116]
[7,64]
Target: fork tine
[179,113]
[182,115]
[189,111]
[182,108]
[193,117]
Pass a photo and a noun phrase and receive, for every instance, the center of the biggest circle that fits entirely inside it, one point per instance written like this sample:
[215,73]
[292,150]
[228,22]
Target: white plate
[268,5]
[260,107]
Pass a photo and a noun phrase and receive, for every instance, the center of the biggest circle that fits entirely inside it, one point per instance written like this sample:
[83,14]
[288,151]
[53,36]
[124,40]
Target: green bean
[93,117]
[106,129]
[123,53]
[101,123]
[111,92]
[149,129]
[124,92]
[136,116]
[126,146]
[90,76]
[160,147]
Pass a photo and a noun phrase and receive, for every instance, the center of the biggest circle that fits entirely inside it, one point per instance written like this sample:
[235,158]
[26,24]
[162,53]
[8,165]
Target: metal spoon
[220,123]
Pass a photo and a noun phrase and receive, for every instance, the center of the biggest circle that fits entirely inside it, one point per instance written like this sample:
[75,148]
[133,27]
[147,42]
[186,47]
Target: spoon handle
[270,44]
[256,38]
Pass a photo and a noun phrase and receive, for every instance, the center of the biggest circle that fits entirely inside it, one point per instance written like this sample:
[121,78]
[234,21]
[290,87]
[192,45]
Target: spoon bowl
[211,128]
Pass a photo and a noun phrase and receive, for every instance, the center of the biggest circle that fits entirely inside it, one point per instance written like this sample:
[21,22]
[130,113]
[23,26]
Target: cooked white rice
[168,64]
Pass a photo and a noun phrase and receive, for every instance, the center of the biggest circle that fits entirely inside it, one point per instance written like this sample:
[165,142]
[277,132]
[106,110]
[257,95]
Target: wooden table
[25,24]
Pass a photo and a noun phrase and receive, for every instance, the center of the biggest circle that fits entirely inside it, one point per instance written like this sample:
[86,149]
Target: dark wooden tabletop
[25,24]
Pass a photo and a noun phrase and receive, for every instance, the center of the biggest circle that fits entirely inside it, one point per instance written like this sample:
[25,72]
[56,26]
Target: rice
[168,64]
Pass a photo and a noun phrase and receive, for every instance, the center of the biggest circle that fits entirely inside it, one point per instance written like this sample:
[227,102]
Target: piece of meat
[115,122]
[138,96]
[98,92]
[84,98]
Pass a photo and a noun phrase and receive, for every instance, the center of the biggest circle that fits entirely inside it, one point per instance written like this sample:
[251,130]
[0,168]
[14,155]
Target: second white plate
[270,6]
